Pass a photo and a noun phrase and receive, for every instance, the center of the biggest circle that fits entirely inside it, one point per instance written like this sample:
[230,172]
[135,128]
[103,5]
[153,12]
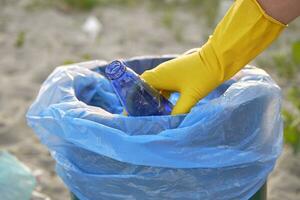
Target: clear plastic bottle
[137,97]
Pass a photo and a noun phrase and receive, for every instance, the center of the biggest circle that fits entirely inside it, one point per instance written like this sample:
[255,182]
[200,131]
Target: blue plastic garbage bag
[223,149]
[16,180]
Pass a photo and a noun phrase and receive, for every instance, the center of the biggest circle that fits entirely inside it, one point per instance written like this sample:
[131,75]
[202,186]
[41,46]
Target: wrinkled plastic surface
[223,149]
[16,180]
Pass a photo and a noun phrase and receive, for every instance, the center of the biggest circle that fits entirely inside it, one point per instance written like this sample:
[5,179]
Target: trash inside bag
[223,149]
[16,180]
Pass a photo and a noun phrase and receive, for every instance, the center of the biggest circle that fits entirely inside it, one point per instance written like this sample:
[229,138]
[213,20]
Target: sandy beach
[35,40]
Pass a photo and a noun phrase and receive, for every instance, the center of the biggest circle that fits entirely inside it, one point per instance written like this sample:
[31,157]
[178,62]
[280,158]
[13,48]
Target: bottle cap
[115,69]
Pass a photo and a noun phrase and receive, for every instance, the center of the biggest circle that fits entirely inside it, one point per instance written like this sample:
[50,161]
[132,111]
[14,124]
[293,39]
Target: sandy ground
[53,37]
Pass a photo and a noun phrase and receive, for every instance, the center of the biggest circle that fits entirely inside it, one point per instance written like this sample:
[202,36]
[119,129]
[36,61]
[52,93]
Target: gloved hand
[244,32]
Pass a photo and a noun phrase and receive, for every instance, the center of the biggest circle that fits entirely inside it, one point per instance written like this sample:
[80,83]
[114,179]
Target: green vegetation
[284,65]
[296,52]
[20,39]
[292,130]
[292,122]
[207,8]
[287,66]
[86,56]
[178,34]
[168,21]
[90,4]
[168,18]
[210,9]
[79,5]
[35,4]
[294,96]
[68,62]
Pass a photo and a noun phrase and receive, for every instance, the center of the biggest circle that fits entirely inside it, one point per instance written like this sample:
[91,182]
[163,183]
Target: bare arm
[284,11]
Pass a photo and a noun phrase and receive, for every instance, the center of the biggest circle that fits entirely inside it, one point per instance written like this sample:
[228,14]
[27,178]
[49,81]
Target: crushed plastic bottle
[137,97]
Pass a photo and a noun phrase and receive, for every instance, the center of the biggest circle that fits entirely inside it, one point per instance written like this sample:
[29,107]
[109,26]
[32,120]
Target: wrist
[282,11]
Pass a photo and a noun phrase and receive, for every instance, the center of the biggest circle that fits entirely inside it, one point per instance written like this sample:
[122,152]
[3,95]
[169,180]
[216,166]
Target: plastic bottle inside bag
[137,97]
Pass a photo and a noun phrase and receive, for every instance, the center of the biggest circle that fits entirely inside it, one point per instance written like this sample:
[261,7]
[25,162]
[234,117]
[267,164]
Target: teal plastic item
[224,148]
[16,180]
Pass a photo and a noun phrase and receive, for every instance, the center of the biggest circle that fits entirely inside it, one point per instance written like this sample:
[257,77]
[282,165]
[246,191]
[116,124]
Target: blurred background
[38,35]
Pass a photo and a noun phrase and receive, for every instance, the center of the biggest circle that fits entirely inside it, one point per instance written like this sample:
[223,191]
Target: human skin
[284,11]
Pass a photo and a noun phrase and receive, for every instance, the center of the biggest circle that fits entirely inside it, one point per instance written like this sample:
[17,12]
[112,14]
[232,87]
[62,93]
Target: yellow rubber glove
[244,32]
